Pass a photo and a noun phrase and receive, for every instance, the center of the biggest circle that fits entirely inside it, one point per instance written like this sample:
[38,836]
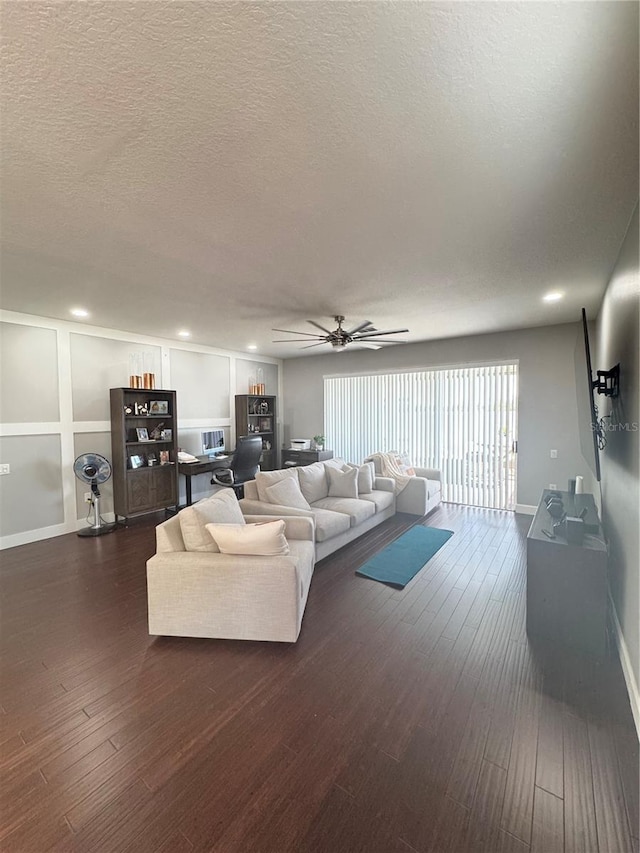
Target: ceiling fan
[365,334]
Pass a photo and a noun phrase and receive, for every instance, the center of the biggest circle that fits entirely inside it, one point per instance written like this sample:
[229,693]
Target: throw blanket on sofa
[392,466]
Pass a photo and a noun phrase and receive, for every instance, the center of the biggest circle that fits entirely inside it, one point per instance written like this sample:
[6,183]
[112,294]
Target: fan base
[97,531]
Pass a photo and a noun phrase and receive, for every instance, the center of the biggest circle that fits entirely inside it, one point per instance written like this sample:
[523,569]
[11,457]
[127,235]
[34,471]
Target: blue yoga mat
[399,562]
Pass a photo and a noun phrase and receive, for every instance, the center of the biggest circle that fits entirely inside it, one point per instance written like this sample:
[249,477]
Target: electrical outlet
[87,497]
[5,469]
[552,486]
[553,454]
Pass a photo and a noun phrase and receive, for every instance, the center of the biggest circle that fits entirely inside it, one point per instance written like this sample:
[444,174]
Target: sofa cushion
[366,476]
[222,507]
[329,524]
[287,493]
[264,479]
[381,500]
[263,539]
[313,481]
[356,510]
[343,484]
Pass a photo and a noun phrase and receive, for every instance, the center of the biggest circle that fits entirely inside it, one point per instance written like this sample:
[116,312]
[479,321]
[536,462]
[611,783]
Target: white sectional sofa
[337,519]
[203,593]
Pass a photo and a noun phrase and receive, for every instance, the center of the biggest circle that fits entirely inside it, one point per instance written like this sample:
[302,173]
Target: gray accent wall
[245,369]
[618,341]
[98,364]
[548,417]
[54,406]
[31,496]
[201,381]
[28,374]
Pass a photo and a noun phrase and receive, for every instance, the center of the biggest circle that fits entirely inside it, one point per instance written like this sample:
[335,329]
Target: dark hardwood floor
[415,720]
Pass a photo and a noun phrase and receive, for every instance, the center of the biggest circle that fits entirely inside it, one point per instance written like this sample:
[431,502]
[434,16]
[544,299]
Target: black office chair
[243,466]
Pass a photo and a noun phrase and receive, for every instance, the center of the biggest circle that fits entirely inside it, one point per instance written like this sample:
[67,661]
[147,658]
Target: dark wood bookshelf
[251,409]
[147,488]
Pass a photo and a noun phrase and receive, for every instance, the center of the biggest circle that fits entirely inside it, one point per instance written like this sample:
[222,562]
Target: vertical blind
[460,420]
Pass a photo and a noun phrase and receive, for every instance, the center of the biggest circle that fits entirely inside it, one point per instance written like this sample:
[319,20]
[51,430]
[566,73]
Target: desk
[204,465]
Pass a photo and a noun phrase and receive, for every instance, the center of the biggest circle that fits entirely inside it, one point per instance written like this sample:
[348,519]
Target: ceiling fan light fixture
[364,333]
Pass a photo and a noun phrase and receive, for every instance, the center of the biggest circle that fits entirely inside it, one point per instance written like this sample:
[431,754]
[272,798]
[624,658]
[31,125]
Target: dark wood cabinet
[256,414]
[144,443]
[304,457]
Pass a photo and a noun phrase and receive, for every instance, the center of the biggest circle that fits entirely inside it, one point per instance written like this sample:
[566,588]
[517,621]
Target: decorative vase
[135,370]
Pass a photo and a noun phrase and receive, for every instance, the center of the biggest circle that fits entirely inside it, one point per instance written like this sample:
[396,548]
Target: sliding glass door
[461,420]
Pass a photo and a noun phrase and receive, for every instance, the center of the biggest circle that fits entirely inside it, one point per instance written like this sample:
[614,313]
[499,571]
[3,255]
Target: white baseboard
[15,539]
[627,669]
[24,538]
[525,509]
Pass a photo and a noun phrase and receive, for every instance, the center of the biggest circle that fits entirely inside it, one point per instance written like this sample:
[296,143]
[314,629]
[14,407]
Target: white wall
[618,341]
[54,406]
[548,417]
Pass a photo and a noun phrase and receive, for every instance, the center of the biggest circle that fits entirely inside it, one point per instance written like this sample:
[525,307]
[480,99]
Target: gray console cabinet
[567,584]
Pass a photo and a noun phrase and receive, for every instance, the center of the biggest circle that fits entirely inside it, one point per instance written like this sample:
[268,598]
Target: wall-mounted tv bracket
[608,382]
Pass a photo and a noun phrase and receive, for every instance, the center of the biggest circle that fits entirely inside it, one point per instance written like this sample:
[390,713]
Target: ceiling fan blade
[318,326]
[360,328]
[315,345]
[367,345]
[379,341]
[296,340]
[291,332]
[382,332]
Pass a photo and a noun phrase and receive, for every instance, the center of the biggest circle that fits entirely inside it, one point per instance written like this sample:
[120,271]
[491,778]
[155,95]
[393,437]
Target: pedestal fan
[94,469]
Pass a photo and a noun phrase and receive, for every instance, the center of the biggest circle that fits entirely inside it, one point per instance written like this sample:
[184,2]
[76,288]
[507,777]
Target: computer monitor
[212,442]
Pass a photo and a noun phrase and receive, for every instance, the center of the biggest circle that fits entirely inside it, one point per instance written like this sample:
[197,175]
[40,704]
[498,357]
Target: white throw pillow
[313,482]
[365,476]
[222,507]
[264,539]
[287,493]
[343,484]
[264,479]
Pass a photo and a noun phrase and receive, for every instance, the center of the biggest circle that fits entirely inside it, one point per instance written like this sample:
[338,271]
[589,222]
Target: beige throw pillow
[264,539]
[313,482]
[287,493]
[365,476]
[343,484]
[264,479]
[222,507]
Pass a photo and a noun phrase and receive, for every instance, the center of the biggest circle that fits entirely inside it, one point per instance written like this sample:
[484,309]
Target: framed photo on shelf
[158,407]
[137,461]
[166,435]
[265,425]
[142,433]
[165,459]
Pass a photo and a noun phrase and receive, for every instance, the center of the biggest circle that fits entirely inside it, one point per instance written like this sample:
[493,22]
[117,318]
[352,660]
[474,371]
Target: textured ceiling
[232,167]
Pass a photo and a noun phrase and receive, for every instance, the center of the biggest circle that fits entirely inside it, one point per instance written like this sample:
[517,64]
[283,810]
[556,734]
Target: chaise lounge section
[421,495]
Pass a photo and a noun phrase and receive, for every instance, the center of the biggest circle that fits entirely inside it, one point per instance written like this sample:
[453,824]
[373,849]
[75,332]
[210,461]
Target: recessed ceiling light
[251,346]
[79,312]
[184,333]
[554,296]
